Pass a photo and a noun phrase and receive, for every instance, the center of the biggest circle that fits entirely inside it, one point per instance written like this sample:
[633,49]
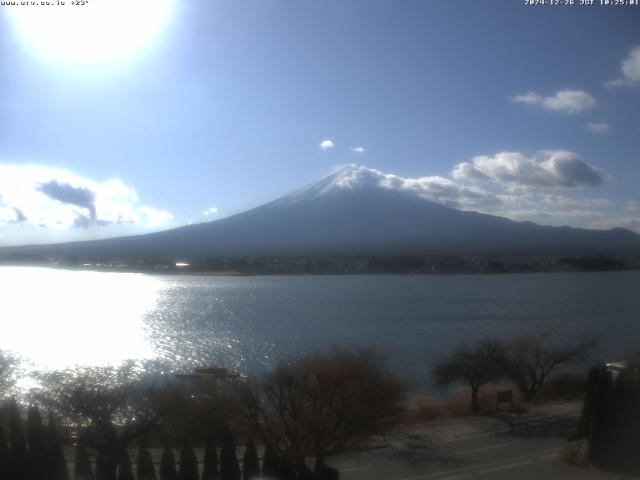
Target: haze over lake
[58,318]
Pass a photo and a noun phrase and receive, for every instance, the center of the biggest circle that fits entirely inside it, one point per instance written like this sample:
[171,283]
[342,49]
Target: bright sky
[124,116]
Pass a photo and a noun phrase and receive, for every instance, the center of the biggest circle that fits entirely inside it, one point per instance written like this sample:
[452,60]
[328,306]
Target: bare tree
[113,405]
[475,366]
[194,414]
[320,405]
[532,358]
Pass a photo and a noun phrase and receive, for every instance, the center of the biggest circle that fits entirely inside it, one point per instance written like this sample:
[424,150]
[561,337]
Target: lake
[58,318]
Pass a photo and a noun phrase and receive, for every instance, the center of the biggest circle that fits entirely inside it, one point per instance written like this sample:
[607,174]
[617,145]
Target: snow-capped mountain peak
[350,177]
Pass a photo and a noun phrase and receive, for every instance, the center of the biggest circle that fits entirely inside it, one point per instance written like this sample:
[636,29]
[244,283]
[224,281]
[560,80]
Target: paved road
[507,446]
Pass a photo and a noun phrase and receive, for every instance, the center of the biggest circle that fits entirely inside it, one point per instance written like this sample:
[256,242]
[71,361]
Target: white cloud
[445,191]
[357,149]
[434,188]
[598,127]
[42,203]
[537,205]
[327,144]
[630,70]
[513,170]
[565,101]
[210,211]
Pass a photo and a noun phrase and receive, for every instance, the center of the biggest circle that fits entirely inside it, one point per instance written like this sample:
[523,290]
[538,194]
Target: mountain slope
[351,212]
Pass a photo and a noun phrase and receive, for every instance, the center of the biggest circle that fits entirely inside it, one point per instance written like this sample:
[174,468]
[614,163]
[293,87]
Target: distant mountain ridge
[351,212]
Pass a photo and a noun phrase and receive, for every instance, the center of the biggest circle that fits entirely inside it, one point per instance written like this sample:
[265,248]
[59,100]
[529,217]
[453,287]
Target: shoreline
[236,273]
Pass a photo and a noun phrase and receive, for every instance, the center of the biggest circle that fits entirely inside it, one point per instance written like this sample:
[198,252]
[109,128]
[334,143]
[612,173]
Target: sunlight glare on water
[59,318]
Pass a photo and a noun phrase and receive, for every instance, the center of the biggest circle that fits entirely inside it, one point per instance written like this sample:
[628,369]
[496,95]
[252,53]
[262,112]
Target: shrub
[229,468]
[270,464]
[168,466]
[37,444]
[250,463]
[82,464]
[19,456]
[125,472]
[56,463]
[210,471]
[188,463]
[4,456]
[565,386]
[146,469]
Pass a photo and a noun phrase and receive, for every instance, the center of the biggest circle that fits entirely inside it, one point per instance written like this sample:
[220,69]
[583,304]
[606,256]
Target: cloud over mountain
[363,211]
[551,187]
[548,188]
[435,188]
[508,184]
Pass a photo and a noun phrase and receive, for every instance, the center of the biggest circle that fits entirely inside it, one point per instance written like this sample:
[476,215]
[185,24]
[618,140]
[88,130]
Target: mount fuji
[355,211]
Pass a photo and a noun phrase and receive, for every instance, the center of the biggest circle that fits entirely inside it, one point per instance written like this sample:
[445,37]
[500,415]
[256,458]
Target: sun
[90,30]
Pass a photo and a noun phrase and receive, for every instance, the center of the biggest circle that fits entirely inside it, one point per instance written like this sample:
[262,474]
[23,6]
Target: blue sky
[224,105]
